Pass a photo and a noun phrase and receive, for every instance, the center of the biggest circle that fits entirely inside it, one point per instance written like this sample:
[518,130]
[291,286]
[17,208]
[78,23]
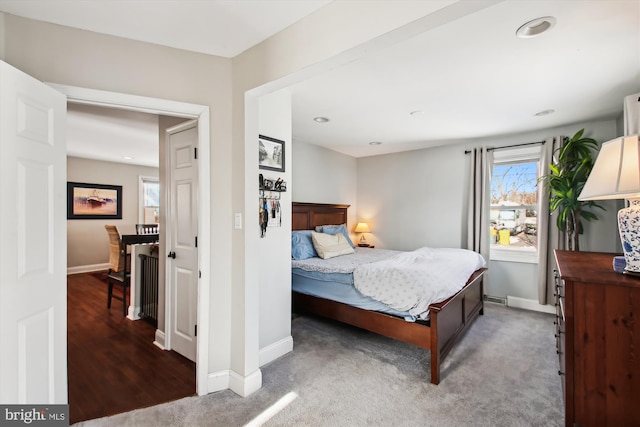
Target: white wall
[275,247]
[87,240]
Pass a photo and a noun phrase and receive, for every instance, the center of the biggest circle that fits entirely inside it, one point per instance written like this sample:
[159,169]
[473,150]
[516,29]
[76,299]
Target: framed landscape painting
[93,201]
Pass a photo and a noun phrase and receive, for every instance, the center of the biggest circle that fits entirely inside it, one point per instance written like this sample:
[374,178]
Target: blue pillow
[302,245]
[335,229]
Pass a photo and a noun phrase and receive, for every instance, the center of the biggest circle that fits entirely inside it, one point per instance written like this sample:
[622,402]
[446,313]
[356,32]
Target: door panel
[182,222]
[33,295]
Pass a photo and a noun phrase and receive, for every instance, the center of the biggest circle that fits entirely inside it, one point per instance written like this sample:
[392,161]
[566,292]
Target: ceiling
[470,78]
[217,27]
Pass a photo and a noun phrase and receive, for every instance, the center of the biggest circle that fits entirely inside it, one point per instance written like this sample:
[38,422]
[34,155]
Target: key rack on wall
[270,212]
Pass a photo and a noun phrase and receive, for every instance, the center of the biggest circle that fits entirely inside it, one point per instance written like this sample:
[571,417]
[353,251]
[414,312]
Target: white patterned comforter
[405,281]
[343,263]
[411,281]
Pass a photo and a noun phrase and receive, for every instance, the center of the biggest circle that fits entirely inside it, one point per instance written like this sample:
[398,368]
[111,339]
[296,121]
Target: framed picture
[271,156]
[93,201]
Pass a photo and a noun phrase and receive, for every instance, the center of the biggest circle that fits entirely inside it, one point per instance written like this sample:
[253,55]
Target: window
[149,200]
[514,205]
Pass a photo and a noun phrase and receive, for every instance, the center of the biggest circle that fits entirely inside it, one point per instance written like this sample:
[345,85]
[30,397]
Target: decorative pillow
[330,245]
[335,229]
[301,245]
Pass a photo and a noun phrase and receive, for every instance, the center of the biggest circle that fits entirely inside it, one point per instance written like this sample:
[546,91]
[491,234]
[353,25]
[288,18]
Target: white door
[33,241]
[182,226]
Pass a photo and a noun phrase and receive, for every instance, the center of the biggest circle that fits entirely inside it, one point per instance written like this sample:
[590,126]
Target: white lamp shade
[616,173]
[362,227]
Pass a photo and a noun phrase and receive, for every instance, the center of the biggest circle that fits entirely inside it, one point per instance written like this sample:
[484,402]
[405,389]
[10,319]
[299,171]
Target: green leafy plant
[575,159]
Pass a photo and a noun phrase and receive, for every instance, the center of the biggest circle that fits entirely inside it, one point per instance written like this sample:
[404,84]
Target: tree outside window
[514,206]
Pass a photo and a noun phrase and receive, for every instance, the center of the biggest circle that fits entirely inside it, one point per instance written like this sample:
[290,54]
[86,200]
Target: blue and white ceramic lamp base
[629,226]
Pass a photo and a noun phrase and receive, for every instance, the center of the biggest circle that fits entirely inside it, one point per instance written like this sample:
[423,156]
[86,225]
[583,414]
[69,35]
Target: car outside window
[514,210]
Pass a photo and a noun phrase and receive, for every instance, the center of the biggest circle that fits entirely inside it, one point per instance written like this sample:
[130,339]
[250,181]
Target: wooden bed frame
[448,319]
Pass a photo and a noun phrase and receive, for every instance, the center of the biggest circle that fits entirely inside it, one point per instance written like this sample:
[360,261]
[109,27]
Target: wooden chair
[118,274]
[147,228]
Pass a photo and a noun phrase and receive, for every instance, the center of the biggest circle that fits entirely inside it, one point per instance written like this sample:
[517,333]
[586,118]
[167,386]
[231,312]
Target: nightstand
[368,246]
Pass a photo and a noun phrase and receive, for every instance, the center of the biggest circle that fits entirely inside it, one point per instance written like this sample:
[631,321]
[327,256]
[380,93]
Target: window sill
[524,255]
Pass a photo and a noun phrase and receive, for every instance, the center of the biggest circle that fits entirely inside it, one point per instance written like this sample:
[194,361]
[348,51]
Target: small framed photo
[271,156]
[93,201]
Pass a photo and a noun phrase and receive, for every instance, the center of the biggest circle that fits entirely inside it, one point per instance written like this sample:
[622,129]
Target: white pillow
[330,245]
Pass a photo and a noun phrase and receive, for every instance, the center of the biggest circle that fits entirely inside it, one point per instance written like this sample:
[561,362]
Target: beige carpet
[503,373]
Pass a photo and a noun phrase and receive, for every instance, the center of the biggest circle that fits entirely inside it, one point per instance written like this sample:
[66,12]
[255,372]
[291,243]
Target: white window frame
[141,181]
[529,153]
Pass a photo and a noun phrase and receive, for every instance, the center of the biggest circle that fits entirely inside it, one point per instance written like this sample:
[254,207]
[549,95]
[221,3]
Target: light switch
[238,220]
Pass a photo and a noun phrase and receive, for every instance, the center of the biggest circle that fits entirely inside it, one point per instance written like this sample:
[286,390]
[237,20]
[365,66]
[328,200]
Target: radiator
[149,288]
[495,300]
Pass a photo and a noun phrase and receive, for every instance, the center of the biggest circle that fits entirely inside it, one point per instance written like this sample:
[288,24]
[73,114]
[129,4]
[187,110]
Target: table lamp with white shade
[616,175]
[362,227]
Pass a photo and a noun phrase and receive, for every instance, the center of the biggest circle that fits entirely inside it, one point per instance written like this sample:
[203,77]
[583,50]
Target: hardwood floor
[113,364]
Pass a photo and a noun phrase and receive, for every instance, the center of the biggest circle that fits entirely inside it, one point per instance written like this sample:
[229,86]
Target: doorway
[186,111]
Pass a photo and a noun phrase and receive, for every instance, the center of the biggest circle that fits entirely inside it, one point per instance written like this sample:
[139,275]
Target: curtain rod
[510,146]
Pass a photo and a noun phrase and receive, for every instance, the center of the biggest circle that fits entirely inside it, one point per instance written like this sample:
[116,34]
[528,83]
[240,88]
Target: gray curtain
[632,114]
[549,237]
[479,200]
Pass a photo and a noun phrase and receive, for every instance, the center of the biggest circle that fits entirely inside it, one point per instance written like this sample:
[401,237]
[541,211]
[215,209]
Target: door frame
[188,111]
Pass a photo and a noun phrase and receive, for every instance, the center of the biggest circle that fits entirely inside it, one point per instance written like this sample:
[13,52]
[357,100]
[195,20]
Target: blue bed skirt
[339,287]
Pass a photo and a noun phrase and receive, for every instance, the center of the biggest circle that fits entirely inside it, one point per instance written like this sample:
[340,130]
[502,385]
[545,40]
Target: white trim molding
[244,386]
[87,268]
[159,341]
[218,381]
[275,350]
[529,304]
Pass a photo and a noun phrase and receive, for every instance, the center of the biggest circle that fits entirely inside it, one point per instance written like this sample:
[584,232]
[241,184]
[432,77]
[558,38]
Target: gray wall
[325,176]
[87,240]
[416,198]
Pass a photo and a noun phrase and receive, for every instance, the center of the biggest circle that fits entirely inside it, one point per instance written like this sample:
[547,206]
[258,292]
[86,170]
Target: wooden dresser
[598,338]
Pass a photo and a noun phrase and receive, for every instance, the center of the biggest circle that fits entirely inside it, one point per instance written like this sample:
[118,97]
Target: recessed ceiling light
[127,157]
[321,119]
[544,113]
[536,27]
[375,143]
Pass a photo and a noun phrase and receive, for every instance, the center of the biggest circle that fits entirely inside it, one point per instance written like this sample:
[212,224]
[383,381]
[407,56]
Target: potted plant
[575,159]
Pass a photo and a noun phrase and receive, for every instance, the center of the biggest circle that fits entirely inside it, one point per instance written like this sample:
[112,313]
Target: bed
[448,320]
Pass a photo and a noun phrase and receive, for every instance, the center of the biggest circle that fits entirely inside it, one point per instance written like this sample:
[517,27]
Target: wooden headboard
[306,216]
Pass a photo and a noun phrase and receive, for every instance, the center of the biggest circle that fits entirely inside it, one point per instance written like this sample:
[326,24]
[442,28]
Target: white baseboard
[87,268]
[218,381]
[275,350]
[244,386]
[159,341]
[133,313]
[529,304]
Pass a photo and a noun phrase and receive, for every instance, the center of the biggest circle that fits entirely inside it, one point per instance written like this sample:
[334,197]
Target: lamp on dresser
[616,175]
